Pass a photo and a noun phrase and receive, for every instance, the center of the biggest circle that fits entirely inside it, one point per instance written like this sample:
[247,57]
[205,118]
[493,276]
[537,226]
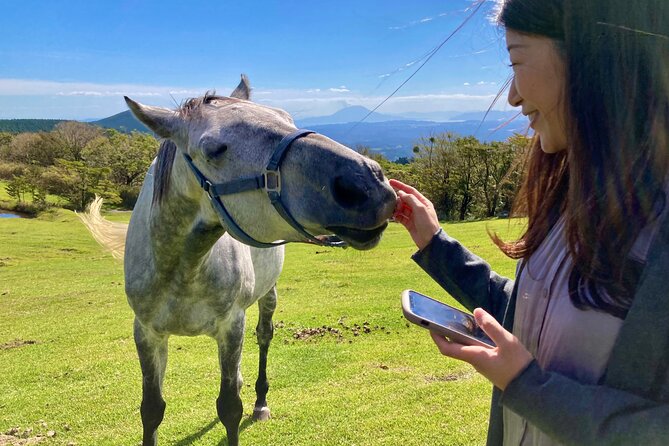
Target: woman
[582,335]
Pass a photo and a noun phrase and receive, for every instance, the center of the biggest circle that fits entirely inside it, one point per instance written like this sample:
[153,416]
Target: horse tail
[109,234]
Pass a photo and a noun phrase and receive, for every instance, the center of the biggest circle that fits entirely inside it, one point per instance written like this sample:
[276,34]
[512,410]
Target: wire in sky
[475,9]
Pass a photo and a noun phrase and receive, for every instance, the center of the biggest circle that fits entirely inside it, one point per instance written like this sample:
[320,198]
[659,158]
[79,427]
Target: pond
[5,214]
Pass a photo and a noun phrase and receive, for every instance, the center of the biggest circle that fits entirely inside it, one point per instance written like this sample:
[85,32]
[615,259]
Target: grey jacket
[630,406]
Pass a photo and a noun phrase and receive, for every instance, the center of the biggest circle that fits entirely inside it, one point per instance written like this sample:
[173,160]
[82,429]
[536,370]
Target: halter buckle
[272,180]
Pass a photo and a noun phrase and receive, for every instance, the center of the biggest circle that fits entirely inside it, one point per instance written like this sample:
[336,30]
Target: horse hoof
[261,414]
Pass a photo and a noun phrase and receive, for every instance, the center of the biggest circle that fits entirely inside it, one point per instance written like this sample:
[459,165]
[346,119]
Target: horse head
[227,144]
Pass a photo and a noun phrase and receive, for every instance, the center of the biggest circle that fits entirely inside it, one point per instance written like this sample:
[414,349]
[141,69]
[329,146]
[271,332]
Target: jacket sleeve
[586,414]
[465,276]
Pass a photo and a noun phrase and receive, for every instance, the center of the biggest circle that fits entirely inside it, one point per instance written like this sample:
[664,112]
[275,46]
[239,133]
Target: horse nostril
[348,193]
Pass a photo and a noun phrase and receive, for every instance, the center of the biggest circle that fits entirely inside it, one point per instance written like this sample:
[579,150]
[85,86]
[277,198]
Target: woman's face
[538,85]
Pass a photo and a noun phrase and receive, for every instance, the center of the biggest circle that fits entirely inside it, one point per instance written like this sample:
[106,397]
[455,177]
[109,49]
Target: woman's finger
[492,328]
[399,186]
[468,353]
[409,199]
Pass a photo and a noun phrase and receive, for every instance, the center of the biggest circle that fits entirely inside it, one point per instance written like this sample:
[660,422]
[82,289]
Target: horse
[233,181]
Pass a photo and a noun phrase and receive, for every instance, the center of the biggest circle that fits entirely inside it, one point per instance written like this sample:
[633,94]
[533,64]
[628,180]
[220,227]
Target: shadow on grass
[224,441]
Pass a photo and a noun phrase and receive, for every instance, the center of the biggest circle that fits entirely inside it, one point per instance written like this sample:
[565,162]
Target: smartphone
[436,316]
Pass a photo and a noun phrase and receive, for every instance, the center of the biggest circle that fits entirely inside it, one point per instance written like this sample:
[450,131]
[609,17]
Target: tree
[17,188]
[41,149]
[5,140]
[75,136]
[79,183]
[464,177]
[494,161]
[432,168]
[127,156]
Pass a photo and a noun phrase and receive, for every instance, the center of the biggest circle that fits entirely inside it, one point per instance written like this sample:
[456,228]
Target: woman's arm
[466,277]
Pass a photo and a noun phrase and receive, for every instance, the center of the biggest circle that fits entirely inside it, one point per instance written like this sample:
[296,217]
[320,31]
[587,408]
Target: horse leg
[152,351]
[229,403]
[264,332]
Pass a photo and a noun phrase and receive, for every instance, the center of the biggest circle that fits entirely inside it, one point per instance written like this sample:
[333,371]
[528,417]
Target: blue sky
[76,59]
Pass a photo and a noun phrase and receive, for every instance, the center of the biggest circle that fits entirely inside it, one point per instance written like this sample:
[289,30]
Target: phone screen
[441,314]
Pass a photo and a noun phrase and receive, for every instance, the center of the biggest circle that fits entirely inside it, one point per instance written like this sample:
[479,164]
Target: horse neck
[181,224]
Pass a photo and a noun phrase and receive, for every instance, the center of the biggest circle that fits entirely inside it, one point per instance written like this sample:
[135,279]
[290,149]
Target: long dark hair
[609,181]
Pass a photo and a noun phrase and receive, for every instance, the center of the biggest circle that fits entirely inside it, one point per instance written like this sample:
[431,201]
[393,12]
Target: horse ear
[162,121]
[243,90]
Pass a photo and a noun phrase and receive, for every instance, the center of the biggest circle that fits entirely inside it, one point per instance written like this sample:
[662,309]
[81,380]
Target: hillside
[396,139]
[392,136]
[348,114]
[28,125]
[123,122]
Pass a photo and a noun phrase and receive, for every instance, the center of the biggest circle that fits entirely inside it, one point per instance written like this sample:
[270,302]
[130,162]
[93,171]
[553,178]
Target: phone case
[449,332]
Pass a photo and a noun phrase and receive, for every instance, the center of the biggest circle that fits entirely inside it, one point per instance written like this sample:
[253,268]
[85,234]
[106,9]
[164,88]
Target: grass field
[68,363]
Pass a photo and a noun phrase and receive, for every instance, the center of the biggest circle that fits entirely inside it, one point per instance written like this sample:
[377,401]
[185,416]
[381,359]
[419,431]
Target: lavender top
[575,343]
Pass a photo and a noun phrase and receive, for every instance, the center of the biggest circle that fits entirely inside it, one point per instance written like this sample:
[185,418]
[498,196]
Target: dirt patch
[16,343]
[340,331]
[17,437]
[303,334]
[458,376]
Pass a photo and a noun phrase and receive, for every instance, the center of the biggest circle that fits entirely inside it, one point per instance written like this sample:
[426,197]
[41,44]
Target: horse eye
[220,150]
[215,151]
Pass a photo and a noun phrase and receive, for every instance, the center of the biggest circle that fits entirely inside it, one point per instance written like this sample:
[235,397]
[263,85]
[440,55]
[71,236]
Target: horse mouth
[361,239]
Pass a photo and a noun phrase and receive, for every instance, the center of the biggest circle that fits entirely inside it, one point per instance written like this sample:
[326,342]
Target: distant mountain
[348,114]
[492,115]
[28,125]
[392,136]
[387,134]
[396,139]
[123,122]
[438,116]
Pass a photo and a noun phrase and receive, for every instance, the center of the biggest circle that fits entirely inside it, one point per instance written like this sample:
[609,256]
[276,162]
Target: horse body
[186,275]
[190,295]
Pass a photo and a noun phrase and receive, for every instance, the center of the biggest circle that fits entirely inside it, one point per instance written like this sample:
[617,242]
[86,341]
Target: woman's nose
[514,98]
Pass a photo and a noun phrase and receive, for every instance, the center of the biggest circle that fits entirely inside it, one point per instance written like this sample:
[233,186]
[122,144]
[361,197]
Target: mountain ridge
[391,135]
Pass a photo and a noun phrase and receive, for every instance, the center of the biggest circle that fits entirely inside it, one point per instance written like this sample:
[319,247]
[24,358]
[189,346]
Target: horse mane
[191,106]
[163,170]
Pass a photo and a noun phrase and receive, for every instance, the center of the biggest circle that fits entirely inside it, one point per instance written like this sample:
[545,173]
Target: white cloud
[32,87]
[58,100]
[422,21]
[303,105]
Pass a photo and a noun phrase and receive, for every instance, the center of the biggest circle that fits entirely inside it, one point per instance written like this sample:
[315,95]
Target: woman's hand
[416,213]
[500,364]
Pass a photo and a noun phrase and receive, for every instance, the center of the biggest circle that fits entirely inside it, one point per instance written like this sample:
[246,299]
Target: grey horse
[223,164]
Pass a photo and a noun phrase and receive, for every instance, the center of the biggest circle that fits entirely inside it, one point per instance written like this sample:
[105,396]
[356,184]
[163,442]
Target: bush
[129,195]
[10,170]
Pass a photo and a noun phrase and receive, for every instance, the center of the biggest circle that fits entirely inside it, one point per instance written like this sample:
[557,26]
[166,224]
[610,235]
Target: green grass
[390,386]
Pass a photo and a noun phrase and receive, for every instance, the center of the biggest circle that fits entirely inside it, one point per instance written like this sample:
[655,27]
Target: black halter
[270,180]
